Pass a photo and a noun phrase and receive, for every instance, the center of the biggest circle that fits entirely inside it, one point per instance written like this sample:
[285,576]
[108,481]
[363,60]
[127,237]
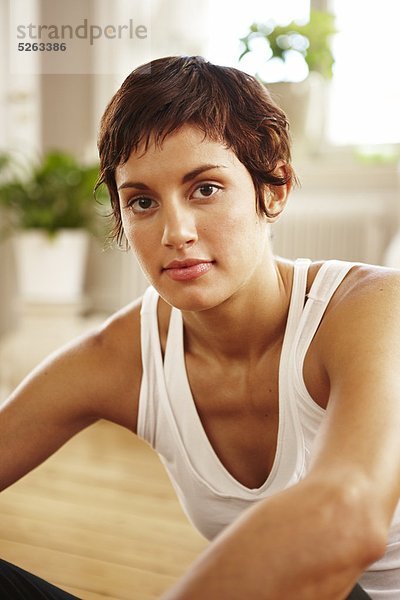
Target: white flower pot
[305,104]
[51,269]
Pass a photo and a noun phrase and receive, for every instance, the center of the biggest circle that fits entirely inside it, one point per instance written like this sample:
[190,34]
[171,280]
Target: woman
[269,388]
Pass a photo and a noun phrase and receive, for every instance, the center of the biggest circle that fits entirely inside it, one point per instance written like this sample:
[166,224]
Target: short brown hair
[228,105]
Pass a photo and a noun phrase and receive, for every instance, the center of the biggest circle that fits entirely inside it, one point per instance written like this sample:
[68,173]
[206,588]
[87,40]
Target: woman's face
[189,214]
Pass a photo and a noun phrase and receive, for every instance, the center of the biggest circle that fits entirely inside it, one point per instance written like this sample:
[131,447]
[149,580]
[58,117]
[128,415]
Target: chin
[191,299]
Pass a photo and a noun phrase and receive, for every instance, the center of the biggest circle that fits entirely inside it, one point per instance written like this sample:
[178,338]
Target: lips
[187,270]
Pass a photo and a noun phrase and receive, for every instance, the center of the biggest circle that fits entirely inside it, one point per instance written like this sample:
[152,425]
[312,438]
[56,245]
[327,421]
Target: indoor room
[101,518]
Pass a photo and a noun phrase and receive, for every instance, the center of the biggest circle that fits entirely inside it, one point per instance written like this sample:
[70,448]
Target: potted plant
[49,208]
[295,61]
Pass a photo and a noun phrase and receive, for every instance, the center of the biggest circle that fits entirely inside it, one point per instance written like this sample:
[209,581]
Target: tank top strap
[152,371]
[149,301]
[328,279]
[174,347]
[326,282]
[298,296]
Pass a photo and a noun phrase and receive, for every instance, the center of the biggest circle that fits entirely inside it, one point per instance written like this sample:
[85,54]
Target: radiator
[355,229]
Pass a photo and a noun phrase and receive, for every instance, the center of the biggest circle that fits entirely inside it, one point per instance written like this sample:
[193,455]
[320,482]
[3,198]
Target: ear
[276,195]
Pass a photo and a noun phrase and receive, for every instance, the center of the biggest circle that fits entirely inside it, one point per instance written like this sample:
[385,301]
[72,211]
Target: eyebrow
[187,177]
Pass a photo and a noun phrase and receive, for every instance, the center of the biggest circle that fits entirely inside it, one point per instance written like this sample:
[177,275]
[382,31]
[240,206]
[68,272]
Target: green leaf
[55,193]
[317,33]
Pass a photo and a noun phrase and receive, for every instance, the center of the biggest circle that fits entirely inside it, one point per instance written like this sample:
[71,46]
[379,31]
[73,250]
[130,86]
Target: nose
[179,226]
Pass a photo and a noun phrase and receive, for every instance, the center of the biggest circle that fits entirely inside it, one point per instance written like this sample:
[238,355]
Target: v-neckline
[185,410]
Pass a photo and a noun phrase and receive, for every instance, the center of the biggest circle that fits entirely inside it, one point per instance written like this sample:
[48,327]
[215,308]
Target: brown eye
[206,190]
[142,204]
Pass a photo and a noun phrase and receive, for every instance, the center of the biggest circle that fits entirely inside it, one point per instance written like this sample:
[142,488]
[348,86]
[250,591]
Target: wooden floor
[99,519]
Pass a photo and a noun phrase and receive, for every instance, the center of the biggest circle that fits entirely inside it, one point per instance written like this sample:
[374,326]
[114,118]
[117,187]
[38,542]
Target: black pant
[17,584]
[357,593]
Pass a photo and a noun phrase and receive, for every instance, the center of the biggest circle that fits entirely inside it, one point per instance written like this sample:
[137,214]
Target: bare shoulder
[363,317]
[115,330]
[369,288]
[116,350]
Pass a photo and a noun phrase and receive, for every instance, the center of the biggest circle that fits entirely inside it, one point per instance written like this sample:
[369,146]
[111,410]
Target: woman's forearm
[304,543]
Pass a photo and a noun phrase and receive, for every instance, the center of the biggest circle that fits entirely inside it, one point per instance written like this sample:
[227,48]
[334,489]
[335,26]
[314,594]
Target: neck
[249,323]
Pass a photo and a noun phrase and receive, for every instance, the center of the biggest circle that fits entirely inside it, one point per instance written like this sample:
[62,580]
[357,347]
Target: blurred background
[331,64]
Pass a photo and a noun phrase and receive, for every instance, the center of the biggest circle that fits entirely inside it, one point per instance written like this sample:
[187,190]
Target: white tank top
[168,420]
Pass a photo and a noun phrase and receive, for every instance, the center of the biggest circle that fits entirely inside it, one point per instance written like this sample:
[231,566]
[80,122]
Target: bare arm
[94,377]
[315,539]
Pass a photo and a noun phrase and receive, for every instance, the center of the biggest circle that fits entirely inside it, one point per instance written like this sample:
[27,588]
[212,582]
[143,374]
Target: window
[365,91]
[227,24]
